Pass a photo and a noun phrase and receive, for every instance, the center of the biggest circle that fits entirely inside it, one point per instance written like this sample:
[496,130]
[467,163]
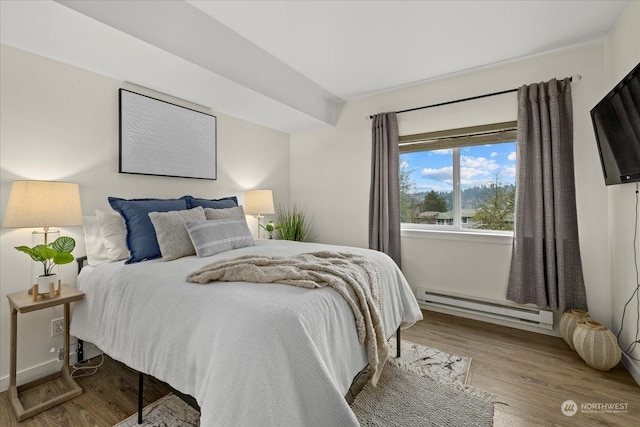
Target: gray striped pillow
[220,235]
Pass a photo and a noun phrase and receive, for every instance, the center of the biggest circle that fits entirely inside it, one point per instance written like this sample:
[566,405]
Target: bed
[249,353]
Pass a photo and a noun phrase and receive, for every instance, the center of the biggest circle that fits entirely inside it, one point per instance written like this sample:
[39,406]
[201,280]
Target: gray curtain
[384,198]
[546,268]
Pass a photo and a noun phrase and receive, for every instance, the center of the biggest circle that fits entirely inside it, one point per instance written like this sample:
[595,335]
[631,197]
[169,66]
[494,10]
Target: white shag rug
[407,397]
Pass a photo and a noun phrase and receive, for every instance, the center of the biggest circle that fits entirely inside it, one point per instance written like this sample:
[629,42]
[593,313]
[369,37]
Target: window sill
[459,235]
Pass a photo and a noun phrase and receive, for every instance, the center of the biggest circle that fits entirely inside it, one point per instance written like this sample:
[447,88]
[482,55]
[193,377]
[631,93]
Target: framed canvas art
[161,138]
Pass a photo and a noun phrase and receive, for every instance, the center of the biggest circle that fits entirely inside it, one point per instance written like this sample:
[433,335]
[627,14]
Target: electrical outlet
[57,327]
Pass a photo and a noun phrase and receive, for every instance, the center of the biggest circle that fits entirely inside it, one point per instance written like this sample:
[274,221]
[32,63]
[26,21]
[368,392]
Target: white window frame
[502,132]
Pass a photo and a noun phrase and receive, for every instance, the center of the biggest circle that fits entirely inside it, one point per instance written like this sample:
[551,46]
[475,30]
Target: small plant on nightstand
[50,255]
[269,227]
[56,253]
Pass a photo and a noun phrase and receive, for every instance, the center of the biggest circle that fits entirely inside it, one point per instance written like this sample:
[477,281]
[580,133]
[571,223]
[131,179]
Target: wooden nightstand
[23,302]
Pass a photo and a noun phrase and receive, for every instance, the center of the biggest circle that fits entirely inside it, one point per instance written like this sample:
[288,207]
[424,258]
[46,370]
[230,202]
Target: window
[460,179]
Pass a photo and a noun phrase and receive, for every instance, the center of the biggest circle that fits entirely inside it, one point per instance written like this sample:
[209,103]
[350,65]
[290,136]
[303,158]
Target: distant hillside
[472,198]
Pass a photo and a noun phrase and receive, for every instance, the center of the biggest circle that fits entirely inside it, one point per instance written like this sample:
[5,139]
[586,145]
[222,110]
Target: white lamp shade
[43,204]
[258,202]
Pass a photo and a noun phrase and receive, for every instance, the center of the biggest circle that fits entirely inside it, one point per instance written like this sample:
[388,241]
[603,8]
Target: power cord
[86,370]
[631,347]
[55,342]
[80,369]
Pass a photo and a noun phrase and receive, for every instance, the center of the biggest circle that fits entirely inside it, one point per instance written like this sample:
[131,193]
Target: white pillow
[220,235]
[172,234]
[96,251]
[114,235]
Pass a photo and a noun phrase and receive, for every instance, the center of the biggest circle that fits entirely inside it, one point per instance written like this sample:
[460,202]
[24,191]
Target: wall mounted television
[616,122]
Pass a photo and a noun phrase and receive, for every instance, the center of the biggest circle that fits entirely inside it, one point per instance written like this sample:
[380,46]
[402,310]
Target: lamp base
[259,217]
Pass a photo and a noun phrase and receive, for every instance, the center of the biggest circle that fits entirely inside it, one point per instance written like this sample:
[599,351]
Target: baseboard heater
[505,312]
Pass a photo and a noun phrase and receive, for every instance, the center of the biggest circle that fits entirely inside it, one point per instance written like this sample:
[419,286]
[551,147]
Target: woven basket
[568,322]
[597,345]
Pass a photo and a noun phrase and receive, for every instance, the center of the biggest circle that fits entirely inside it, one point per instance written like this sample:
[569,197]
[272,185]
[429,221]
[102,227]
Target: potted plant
[269,227]
[294,223]
[56,253]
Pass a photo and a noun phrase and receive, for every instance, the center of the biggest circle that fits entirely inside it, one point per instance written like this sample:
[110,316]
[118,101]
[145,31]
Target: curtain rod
[455,101]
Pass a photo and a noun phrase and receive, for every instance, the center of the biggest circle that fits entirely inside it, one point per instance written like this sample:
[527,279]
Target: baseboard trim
[47,368]
[632,366]
[33,373]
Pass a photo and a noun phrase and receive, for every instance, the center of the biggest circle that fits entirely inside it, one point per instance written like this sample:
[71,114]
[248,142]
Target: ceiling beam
[181,29]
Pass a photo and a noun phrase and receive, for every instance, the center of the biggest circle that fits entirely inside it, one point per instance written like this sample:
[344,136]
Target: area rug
[168,411]
[425,387]
[406,397]
[436,364]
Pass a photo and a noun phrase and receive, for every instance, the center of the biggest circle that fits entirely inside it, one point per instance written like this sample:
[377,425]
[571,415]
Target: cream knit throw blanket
[354,277]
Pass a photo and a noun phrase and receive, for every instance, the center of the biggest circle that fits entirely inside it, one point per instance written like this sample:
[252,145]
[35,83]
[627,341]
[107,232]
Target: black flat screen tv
[616,122]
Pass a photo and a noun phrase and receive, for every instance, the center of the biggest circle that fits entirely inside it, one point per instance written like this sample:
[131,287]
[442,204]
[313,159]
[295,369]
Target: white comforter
[251,354]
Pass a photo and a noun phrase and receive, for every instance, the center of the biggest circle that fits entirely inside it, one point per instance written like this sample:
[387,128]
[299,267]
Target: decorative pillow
[212,214]
[220,235]
[96,251]
[225,202]
[114,235]
[172,235]
[141,236]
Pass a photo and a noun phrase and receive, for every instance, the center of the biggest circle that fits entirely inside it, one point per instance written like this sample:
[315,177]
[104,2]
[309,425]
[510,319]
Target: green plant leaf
[63,258]
[64,244]
[46,252]
[294,223]
[32,252]
[58,252]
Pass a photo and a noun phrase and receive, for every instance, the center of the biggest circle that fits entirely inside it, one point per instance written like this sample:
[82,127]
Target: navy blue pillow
[141,236]
[223,203]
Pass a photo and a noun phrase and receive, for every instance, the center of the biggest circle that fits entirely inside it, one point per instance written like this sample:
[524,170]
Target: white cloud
[442,151]
[468,173]
[479,171]
[483,165]
[508,172]
[441,174]
[474,171]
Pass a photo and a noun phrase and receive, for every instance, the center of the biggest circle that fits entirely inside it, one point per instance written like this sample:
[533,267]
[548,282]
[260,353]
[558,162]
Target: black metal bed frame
[190,400]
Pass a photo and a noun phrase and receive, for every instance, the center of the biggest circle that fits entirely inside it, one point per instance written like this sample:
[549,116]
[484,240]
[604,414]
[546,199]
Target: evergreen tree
[434,202]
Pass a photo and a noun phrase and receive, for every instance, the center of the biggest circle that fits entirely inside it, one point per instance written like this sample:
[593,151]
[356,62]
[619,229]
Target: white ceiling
[289,64]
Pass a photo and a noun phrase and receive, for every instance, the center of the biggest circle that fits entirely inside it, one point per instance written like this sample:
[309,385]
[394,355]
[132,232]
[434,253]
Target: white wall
[622,53]
[61,123]
[330,170]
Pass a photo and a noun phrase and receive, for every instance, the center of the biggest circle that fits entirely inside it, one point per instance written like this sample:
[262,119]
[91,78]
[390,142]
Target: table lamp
[43,204]
[258,203]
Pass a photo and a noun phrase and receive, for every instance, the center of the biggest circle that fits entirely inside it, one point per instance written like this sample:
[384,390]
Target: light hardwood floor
[531,375]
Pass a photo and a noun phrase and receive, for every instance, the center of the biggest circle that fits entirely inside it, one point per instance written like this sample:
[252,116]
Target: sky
[432,170]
